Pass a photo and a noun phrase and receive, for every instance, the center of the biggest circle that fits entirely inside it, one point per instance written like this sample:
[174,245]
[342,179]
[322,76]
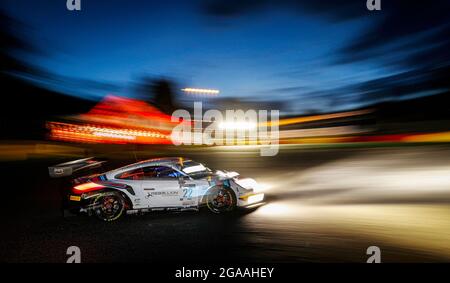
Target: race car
[173,183]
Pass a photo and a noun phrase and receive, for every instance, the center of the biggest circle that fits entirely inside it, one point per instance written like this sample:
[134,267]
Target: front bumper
[251,200]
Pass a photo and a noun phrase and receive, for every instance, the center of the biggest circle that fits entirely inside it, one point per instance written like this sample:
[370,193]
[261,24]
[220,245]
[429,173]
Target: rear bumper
[77,203]
[72,205]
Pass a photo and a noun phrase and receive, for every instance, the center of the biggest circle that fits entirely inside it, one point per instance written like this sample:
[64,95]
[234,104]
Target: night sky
[314,56]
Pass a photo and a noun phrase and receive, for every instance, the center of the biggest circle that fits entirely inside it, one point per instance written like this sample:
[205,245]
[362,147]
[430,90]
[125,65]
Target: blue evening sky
[271,55]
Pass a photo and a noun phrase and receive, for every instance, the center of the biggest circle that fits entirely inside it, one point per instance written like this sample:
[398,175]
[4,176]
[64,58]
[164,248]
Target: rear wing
[71,167]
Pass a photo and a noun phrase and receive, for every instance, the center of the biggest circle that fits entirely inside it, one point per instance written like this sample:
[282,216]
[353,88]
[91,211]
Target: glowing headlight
[255,198]
[242,125]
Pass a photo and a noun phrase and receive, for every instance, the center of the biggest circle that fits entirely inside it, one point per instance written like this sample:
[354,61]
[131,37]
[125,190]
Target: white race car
[155,184]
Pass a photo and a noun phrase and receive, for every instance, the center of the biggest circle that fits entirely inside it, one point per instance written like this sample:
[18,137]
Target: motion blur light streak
[275,210]
[410,227]
[116,120]
[297,120]
[124,120]
[112,135]
[326,131]
[237,125]
[262,187]
[203,91]
[255,198]
[97,134]
[395,197]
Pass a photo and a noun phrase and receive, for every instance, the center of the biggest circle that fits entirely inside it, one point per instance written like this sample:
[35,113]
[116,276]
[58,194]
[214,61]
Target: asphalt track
[323,205]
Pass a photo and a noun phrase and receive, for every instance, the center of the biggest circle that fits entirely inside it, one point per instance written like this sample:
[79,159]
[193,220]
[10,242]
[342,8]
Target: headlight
[255,198]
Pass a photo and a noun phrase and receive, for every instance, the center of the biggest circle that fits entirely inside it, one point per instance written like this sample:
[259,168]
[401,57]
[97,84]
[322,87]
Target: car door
[161,187]
[134,178]
[192,191]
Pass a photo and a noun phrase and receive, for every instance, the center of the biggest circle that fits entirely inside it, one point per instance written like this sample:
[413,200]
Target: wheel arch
[128,202]
[203,199]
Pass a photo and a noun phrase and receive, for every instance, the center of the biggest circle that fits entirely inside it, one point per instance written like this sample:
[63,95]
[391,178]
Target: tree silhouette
[9,43]
[159,92]
[27,106]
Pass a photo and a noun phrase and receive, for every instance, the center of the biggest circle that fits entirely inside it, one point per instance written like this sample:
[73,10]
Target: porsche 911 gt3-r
[155,184]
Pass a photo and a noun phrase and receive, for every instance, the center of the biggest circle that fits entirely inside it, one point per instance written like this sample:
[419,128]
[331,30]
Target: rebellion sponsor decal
[162,193]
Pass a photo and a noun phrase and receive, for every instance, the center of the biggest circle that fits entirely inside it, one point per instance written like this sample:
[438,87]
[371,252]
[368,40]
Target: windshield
[194,169]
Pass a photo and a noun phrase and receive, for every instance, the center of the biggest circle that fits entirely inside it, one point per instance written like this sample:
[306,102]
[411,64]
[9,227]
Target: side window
[136,174]
[166,172]
[160,172]
[150,172]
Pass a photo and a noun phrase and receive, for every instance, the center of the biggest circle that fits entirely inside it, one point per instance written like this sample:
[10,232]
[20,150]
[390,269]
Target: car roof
[154,161]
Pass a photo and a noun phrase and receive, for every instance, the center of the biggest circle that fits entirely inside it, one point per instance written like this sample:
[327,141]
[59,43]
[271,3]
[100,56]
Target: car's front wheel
[109,206]
[221,199]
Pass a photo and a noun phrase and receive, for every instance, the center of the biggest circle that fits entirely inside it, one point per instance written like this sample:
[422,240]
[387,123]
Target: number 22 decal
[187,192]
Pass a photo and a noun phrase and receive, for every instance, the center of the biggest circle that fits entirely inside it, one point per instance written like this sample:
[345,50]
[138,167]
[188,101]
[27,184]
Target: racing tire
[221,200]
[109,206]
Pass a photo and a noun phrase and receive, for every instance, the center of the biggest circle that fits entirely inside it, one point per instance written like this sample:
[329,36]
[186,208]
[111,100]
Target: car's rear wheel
[109,206]
[221,200]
